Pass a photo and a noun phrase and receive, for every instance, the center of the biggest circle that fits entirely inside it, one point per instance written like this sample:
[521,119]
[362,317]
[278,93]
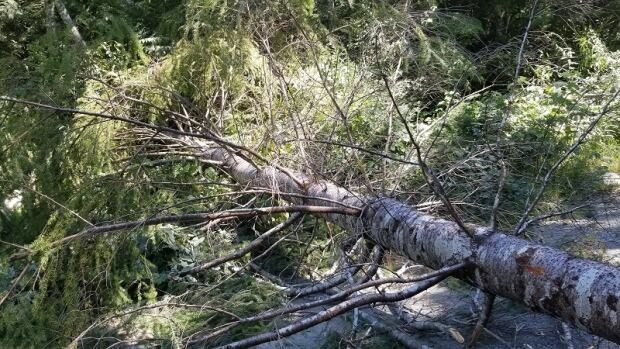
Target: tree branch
[196,217]
[520,226]
[246,249]
[334,311]
[64,14]
[429,176]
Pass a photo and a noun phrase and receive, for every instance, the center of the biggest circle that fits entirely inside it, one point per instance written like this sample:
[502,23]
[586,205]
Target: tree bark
[64,14]
[581,292]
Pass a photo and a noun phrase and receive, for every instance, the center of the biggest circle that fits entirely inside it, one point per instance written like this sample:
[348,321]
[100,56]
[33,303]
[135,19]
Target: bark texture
[582,292]
[64,14]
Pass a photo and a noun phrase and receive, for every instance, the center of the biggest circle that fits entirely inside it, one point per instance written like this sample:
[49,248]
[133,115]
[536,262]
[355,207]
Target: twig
[334,311]
[403,338]
[411,322]
[59,204]
[552,214]
[497,337]
[78,338]
[527,30]
[519,228]
[197,217]
[16,246]
[375,263]
[336,297]
[384,155]
[431,180]
[330,282]
[245,250]
[485,314]
[15,282]
[498,195]
[208,135]
[502,179]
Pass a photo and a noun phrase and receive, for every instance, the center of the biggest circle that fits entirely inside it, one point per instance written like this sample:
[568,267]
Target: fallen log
[579,291]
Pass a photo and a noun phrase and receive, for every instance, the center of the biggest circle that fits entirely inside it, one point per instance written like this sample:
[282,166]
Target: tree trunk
[582,292]
[64,14]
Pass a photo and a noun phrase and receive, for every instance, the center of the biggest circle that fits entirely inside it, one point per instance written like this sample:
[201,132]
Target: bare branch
[384,155]
[503,174]
[498,195]
[245,250]
[336,297]
[14,284]
[522,47]
[519,228]
[429,176]
[552,214]
[196,217]
[483,318]
[334,311]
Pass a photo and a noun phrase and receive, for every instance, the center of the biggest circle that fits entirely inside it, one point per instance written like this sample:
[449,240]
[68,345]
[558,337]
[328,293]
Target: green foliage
[8,10]
[466,30]
[268,74]
[543,119]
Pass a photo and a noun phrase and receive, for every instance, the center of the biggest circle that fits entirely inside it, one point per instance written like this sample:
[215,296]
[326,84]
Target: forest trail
[511,325]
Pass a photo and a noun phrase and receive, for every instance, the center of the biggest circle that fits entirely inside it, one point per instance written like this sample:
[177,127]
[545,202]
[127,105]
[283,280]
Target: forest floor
[511,325]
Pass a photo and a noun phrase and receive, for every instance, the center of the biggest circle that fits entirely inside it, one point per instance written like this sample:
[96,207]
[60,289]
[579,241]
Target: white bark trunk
[582,292]
[64,14]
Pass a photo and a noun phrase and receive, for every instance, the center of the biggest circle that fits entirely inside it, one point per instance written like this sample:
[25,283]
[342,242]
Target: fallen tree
[581,292]
[314,109]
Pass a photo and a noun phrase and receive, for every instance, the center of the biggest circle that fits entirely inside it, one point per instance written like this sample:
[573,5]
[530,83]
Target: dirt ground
[511,325]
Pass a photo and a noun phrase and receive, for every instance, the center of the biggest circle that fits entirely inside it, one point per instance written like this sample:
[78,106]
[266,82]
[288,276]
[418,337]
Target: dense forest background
[495,93]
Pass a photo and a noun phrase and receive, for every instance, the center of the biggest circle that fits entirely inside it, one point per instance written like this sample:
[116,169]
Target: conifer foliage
[123,221]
